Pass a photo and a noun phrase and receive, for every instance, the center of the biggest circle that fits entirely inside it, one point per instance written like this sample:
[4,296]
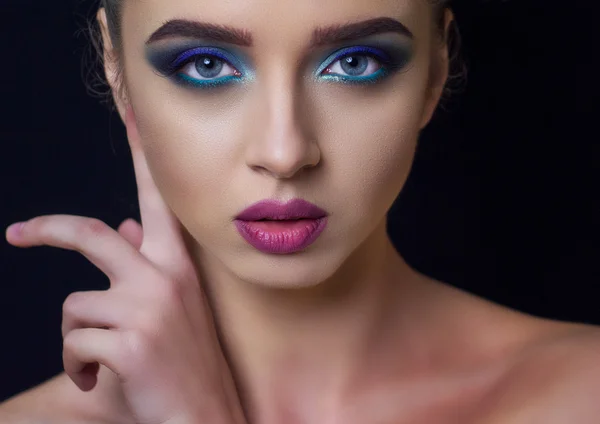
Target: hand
[153,327]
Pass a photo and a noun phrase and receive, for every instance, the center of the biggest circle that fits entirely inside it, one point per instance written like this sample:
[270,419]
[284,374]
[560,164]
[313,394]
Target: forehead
[269,20]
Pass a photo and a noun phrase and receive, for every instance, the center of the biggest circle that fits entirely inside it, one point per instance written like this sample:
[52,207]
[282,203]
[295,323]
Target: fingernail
[15,229]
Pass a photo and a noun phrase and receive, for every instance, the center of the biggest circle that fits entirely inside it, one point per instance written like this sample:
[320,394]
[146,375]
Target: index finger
[91,237]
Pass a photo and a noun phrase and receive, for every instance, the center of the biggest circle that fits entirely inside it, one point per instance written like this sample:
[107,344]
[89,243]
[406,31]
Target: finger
[95,240]
[88,377]
[163,244]
[131,231]
[84,348]
[96,309]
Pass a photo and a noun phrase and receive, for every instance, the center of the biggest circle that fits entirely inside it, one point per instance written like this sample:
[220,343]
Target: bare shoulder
[550,370]
[554,380]
[59,400]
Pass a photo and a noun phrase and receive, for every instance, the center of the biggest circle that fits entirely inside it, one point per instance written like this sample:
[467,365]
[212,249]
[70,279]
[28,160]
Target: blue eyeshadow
[169,59]
[391,57]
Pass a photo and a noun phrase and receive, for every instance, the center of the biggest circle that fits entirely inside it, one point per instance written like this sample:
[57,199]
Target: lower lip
[281,237]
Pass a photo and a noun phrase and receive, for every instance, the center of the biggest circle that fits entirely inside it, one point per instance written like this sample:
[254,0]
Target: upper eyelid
[358,50]
[224,55]
[192,54]
[186,54]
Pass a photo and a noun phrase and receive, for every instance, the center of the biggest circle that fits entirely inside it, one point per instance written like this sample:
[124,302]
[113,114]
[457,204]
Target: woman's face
[293,106]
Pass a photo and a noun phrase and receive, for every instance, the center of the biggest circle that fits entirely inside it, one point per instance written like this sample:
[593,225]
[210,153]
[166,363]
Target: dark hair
[97,85]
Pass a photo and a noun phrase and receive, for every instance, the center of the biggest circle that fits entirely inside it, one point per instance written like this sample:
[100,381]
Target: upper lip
[275,210]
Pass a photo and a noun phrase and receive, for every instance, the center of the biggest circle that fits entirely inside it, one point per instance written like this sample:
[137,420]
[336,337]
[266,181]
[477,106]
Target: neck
[289,344]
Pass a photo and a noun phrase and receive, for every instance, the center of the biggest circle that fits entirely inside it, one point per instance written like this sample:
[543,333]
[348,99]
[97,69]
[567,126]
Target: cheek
[370,141]
[190,150]
[194,148]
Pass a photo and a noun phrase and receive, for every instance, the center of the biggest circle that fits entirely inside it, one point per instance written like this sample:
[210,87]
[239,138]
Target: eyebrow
[321,36]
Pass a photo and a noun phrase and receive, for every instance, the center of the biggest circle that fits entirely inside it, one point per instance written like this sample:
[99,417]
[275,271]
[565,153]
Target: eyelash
[191,57]
[386,66]
[206,82]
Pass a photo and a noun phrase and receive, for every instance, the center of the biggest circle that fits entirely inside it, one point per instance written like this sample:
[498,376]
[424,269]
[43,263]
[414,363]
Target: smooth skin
[153,317]
[345,332]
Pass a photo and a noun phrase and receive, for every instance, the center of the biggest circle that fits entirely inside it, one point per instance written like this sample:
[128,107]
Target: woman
[313,107]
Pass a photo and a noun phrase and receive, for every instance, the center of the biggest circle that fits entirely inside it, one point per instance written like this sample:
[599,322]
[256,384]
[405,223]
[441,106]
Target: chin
[330,260]
[302,270]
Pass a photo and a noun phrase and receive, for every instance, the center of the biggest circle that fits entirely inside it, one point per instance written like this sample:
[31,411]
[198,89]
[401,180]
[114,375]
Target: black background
[501,201]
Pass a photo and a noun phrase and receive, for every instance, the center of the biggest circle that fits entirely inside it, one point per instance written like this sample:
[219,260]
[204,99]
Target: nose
[282,142]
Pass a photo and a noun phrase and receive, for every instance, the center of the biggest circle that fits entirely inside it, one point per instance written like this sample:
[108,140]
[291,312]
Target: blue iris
[209,63]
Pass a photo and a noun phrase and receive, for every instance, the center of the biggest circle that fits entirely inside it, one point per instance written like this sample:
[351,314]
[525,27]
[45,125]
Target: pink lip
[288,227]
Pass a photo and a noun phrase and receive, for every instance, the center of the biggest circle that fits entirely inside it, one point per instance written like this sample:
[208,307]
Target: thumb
[131,231]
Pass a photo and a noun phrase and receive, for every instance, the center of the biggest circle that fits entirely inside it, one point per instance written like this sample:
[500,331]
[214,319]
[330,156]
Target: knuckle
[123,354]
[169,295]
[36,225]
[70,341]
[145,321]
[73,302]
[135,345]
[92,228]
[149,325]
[171,291]
[37,221]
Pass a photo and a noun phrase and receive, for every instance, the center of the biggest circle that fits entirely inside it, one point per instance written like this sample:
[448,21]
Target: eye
[362,64]
[202,67]
[205,68]
[354,65]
